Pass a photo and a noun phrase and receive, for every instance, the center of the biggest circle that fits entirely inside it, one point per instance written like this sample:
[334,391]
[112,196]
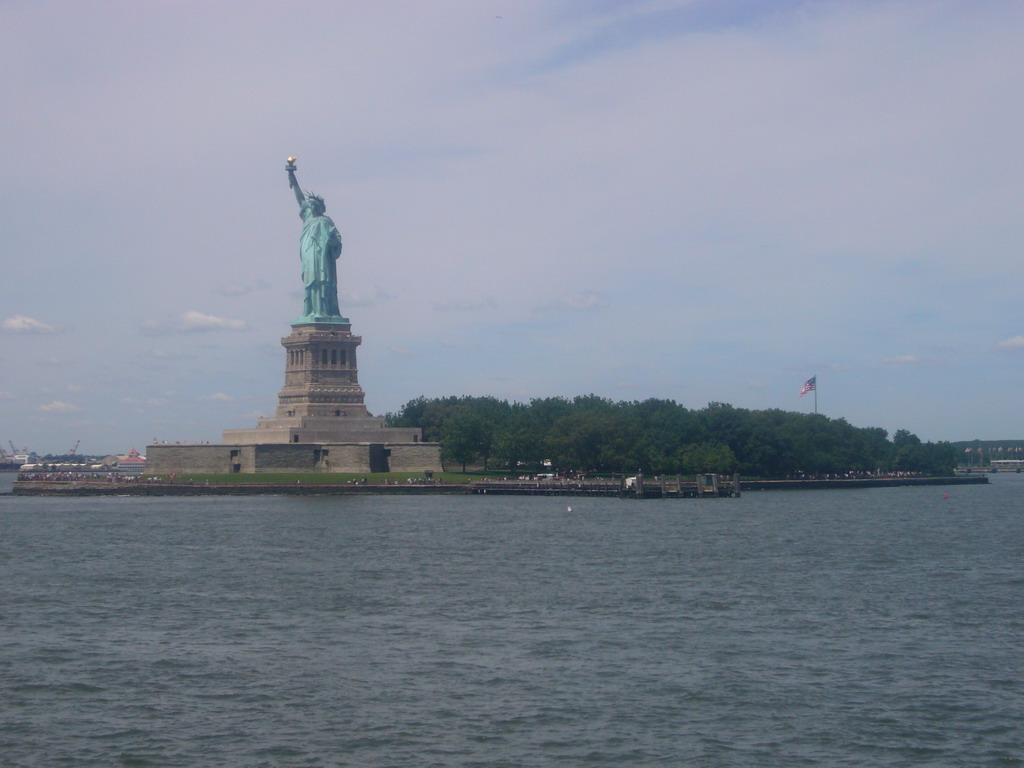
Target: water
[842,628]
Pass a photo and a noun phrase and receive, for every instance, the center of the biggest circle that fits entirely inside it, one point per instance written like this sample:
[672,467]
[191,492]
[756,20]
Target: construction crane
[15,450]
[74,450]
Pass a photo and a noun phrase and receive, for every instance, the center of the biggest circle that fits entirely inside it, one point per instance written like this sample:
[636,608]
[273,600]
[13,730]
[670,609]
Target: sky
[695,200]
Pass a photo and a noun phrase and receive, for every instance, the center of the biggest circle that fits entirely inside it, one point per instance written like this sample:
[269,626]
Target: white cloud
[1014,342]
[23,324]
[7,395]
[197,321]
[58,406]
[217,396]
[191,321]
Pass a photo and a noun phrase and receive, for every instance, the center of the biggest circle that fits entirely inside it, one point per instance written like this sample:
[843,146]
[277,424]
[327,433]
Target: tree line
[594,434]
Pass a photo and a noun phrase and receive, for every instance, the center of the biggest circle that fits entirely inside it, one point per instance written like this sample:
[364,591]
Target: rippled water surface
[874,627]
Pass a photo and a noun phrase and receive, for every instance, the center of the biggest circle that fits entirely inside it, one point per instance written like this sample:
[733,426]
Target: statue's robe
[320,247]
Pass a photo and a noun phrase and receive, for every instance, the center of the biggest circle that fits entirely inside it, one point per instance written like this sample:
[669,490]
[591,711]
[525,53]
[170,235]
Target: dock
[677,487]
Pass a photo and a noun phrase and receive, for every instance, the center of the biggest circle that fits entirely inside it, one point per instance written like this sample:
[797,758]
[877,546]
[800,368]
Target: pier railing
[635,487]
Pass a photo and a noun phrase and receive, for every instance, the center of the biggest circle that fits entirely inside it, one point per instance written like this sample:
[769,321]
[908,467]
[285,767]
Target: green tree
[590,432]
[911,455]
[713,456]
[664,428]
[593,439]
[463,437]
[521,440]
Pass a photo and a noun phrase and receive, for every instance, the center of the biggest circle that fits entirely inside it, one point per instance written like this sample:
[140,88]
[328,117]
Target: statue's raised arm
[301,198]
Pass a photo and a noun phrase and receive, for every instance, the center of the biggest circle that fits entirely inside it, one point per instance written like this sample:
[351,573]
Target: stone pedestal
[321,378]
[321,400]
[321,423]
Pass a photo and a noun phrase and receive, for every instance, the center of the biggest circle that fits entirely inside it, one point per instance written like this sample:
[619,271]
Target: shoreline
[144,488]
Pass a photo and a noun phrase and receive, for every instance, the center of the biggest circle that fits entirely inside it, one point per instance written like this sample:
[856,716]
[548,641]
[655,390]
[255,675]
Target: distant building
[1006,465]
[132,462]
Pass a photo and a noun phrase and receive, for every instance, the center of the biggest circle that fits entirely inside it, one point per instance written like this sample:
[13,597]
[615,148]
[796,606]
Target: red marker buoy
[945,495]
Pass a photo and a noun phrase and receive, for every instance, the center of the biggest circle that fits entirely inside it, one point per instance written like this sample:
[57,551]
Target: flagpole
[815,394]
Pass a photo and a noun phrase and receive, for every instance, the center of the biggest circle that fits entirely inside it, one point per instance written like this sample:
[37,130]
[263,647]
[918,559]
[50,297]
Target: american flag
[809,386]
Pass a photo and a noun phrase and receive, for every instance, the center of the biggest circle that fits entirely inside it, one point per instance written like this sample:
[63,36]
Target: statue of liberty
[319,249]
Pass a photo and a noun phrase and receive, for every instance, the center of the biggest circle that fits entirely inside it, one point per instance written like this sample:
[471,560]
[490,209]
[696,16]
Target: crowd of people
[851,475]
[53,477]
